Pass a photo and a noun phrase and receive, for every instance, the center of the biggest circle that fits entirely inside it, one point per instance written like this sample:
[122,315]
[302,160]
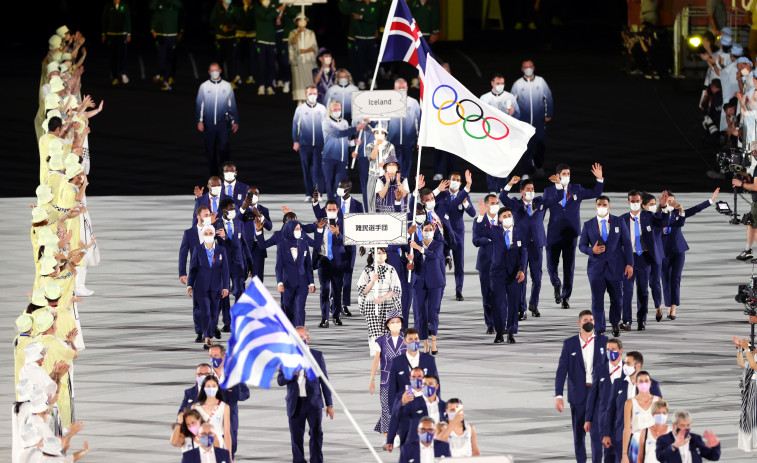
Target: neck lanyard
[587,342]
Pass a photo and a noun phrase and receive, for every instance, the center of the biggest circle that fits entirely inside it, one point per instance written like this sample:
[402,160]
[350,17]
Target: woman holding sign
[378,151]
[379,292]
[391,188]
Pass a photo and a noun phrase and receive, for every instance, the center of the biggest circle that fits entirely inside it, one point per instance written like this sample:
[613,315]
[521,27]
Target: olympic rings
[439,113]
[486,131]
[451,102]
[478,118]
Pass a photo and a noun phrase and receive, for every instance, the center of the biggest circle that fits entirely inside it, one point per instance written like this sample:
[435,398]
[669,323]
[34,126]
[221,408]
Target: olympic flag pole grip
[415,204]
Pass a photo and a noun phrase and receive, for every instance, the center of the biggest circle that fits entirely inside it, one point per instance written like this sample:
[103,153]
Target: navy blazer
[189,241]
[411,451]
[238,194]
[412,412]
[674,242]
[190,396]
[649,222]
[484,244]
[666,454]
[249,232]
[276,237]
[427,270]
[204,278]
[618,251]
[564,222]
[399,373]
[294,273]
[505,263]
[571,365]
[531,226]
[317,392]
[204,200]
[240,258]
[612,406]
[455,210]
[231,397]
[193,456]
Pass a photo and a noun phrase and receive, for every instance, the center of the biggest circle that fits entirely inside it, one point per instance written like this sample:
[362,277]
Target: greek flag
[262,340]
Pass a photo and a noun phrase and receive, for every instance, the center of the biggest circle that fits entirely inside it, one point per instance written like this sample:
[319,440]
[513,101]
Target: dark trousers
[655,274]
[313,417]
[258,261]
[458,259]
[426,313]
[238,277]
[246,51]
[347,279]
[331,278]
[444,162]
[578,418]
[116,45]
[495,184]
[319,179]
[641,270]
[334,171]
[216,144]
[293,300]
[208,304]
[363,165]
[535,258]
[599,285]
[226,53]
[282,57]
[506,304]
[362,54]
[487,296]
[405,157]
[672,268]
[534,155]
[306,161]
[407,299]
[266,63]
[166,55]
[567,248]
[234,432]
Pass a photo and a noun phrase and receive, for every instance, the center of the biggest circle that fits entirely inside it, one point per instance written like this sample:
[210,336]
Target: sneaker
[166,87]
[261,90]
[361,85]
[308,199]
[157,78]
[84,292]
[249,80]
[745,255]
[269,91]
[114,82]
[237,80]
[124,78]
[279,84]
[286,87]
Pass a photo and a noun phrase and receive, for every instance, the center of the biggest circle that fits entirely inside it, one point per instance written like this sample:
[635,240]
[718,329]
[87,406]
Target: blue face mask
[413,346]
[426,437]
[613,355]
[211,391]
[206,441]
[216,362]
[416,383]
[428,391]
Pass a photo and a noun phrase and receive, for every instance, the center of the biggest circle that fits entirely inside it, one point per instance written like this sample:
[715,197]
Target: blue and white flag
[262,340]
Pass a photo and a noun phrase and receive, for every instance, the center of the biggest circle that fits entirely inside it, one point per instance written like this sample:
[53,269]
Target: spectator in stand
[116,33]
[246,48]
[361,39]
[717,15]
[302,49]
[166,28]
[265,32]
[224,20]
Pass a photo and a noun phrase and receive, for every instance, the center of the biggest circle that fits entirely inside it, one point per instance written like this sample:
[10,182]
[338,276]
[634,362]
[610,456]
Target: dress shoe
[338,321]
[499,338]
[346,311]
[558,294]
[323,324]
[625,326]
[217,334]
[534,311]
[522,316]
[510,338]
[565,304]
[434,352]
[658,315]
[226,329]
[615,331]
[642,326]
[198,339]
[459,296]
[490,330]
[671,317]
[206,346]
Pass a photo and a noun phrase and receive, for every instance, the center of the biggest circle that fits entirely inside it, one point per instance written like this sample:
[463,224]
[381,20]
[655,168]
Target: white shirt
[632,228]
[509,236]
[226,226]
[432,408]
[199,231]
[631,389]
[38,377]
[345,206]
[427,453]
[685,453]
[615,371]
[207,456]
[413,361]
[301,381]
[587,350]
[226,187]
[293,250]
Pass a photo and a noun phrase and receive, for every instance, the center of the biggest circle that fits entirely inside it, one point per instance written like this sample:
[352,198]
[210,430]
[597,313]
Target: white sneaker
[124,78]
[279,84]
[269,91]
[261,90]
[83,292]
[286,87]
[308,199]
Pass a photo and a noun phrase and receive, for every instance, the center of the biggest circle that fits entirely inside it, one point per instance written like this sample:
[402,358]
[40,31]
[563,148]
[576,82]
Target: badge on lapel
[617,229]
[601,380]
[239,236]
[519,245]
[239,197]
[649,228]
[573,354]
[220,257]
[402,372]
[446,216]
[420,411]
[190,400]
[575,197]
[602,351]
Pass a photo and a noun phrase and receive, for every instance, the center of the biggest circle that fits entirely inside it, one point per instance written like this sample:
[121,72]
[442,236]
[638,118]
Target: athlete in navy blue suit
[211,201]
[667,451]
[231,237]
[605,239]
[399,373]
[412,408]
[294,272]
[411,451]
[253,211]
[307,407]
[189,241]
[608,372]
[583,350]
[429,282]
[564,226]
[332,261]
[232,188]
[484,258]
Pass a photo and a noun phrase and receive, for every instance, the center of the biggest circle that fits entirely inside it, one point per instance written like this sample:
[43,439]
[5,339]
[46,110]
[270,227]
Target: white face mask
[602,211]
[493,208]
[507,222]
[661,418]
[231,214]
[336,114]
[745,72]
[379,136]
[651,207]
[528,72]
[340,192]
[428,235]
[255,199]
[420,218]
[229,176]
[266,3]
[564,180]
[381,258]
[499,88]
[327,60]
[331,215]
[391,170]
[343,82]
[297,234]
[635,207]
[529,195]
[312,98]
[454,185]
[209,239]
[206,221]
[215,190]
[430,205]
[629,370]
[215,75]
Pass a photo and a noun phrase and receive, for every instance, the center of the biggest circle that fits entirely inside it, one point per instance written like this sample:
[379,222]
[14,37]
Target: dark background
[646,133]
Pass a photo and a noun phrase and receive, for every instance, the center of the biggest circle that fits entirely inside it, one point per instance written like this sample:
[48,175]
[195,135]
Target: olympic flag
[455,120]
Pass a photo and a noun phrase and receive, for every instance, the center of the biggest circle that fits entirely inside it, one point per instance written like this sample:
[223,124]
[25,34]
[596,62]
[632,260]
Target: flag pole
[415,203]
[384,38]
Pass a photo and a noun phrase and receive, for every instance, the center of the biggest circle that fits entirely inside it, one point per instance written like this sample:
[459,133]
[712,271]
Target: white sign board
[379,104]
[375,229]
[497,459]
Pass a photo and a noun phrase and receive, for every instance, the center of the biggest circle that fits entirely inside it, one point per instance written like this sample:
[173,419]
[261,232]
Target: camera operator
[751,233]
[748,418]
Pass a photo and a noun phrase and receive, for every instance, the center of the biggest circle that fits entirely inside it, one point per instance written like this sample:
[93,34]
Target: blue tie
[344,207]
[453,196]
[564,198]
[430,219]
[667,230]
[492,222]
[229,191]
[507,238]
[329,251]
[214,202]
[637,230]
[604,230]
[209,253]
[230,232]
[420,235]
[528,209]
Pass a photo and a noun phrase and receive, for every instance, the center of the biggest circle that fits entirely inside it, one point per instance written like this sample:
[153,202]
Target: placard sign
[379,104]
[375,229]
